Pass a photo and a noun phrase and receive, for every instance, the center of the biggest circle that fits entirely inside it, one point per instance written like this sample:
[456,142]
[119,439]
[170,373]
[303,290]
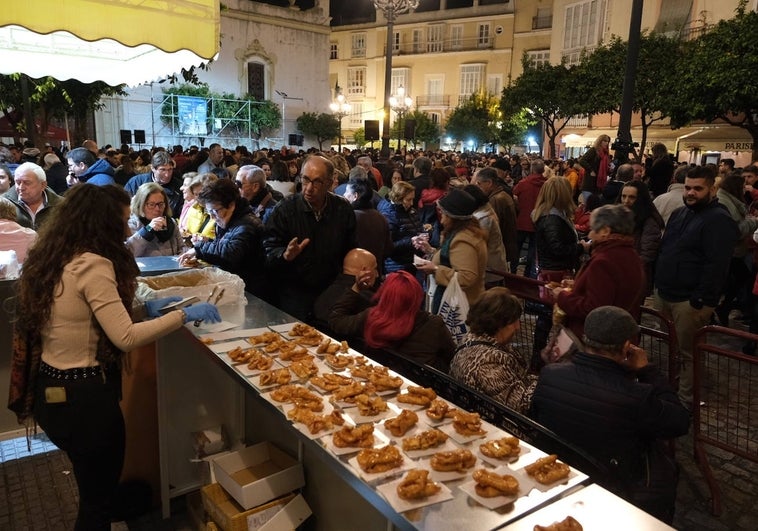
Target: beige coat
[468,257]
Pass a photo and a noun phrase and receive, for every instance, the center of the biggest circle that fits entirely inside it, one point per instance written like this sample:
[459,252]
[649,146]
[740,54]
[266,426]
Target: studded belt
[77,373]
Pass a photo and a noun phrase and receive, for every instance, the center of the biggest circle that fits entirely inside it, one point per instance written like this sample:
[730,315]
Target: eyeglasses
[239,184]
[216,211]
[160,204]
[317,183]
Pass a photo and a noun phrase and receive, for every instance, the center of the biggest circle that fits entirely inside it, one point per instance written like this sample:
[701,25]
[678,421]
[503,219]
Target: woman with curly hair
[486,361]
[395,320]
[74,322]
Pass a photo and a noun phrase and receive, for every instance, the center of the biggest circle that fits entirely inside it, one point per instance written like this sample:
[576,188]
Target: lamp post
[340,108]
[401,104]
[391,9]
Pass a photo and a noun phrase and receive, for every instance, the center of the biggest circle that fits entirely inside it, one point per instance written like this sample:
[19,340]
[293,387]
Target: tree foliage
[548,93]
[426,130]
[323,126]
[601,78]
[513,128]
[49,98]
[716,83]
[475,120]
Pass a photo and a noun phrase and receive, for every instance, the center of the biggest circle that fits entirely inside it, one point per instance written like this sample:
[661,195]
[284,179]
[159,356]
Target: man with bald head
[358,268]
[307,237]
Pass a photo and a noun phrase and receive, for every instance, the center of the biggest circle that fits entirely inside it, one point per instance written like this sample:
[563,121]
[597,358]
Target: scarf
[602,170]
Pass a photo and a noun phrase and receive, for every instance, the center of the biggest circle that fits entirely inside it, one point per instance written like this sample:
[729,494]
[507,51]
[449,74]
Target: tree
[714,83]
[48,98]
[321,125]
[359,137]
[475,120]
[600,78]
[513,129]
[426,130]
[548,93]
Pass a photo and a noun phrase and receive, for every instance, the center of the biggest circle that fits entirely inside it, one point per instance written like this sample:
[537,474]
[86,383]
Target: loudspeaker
[295,139]
[139,136]
[371,128]
[410,130]
[126,136]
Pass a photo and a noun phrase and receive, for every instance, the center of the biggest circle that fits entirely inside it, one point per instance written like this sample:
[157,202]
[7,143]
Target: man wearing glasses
[251,180]
[306,239]
[84,167]
[161,172]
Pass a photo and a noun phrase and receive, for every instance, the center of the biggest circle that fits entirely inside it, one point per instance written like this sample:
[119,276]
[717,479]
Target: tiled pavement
[38,492]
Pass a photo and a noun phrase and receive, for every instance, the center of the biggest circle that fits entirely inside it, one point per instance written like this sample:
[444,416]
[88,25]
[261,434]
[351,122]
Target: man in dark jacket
[87,168]
[422,167]
[612,404]
[505,208]
[306,239]
[33,199]
[161,172]
[692,265]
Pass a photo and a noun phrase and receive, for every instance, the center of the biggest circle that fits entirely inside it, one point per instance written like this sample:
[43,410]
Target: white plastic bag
[454,309]
[193,283]
[9,268]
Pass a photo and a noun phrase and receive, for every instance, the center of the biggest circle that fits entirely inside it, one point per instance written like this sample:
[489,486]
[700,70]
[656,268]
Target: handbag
[454,309]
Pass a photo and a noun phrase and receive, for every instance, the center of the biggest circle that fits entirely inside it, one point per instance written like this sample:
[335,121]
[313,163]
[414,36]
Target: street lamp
[340,108]
[401,104]
[391,9]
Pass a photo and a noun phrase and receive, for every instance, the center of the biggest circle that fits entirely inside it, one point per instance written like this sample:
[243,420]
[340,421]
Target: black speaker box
[126,136]
[410,130]
[371,128]
[139,136]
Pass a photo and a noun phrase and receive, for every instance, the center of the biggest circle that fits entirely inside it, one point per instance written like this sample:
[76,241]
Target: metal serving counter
[9,426]
[199,389]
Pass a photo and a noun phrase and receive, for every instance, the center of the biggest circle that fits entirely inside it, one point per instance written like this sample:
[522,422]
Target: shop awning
[116,41]
[716,138]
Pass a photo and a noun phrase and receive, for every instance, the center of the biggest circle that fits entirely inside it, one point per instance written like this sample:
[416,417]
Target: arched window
[256,80]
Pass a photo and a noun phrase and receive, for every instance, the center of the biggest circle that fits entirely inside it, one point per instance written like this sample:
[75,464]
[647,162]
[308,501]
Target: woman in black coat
[404,225]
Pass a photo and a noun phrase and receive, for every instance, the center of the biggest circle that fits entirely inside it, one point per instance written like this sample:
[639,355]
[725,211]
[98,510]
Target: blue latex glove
[153,306]
[203,311]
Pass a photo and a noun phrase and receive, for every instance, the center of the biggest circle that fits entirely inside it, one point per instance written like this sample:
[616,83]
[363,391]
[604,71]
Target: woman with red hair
[395,321]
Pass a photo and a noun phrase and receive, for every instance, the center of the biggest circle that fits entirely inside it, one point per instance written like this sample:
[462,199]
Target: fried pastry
[259,361]
[275,377]
[302,329]
[298,395]
[489,484]
[416,485]
[206,340]
[567,524]
[304,368]
[240,355]
[376,460]
[370,406]
[421,396]
[453,461]
[384,382]
[328,347]
[338,361]
[439,410]
[548,469]
[425,439]
[330,382]
[291,351]
[468,424]
[265,337]
[275,346]
[347,393]
[504,448]
[315,423]
[311,338]
[358,437]
[400,425]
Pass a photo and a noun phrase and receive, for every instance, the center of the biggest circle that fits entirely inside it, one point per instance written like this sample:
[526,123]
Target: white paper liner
[448,445]
[497,501]
[498,462]
[267,397]
[241,333]
[389,491]
[357,418]
[459,438]
[245,371]
[380,476]
[531,483]
[423,417]
[226,346]
[302,428]
[255,381]
[379,441]
[438,475]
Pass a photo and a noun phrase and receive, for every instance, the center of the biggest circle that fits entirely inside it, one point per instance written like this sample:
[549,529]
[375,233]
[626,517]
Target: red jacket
[526,191]
[613,276]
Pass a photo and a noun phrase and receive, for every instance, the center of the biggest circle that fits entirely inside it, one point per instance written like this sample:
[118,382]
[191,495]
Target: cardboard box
[258,474]
[283,514]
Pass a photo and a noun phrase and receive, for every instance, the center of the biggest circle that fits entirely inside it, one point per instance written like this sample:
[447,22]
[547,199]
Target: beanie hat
[457,204]
[502,164]
[31,152]
[609,327]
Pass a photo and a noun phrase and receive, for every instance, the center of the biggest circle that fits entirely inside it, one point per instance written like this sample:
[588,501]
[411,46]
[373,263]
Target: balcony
[443,46]
[544,22]
[437,101]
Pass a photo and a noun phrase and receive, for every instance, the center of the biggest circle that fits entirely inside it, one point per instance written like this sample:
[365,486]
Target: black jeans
[89,427]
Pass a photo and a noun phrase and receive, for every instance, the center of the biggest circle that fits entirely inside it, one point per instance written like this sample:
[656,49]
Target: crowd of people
[366,247]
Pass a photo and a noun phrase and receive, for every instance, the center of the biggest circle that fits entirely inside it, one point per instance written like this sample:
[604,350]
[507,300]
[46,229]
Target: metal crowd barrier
[726,380]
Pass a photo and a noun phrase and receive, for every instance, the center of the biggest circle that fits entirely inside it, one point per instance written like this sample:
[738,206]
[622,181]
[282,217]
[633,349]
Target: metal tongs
[215,301]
